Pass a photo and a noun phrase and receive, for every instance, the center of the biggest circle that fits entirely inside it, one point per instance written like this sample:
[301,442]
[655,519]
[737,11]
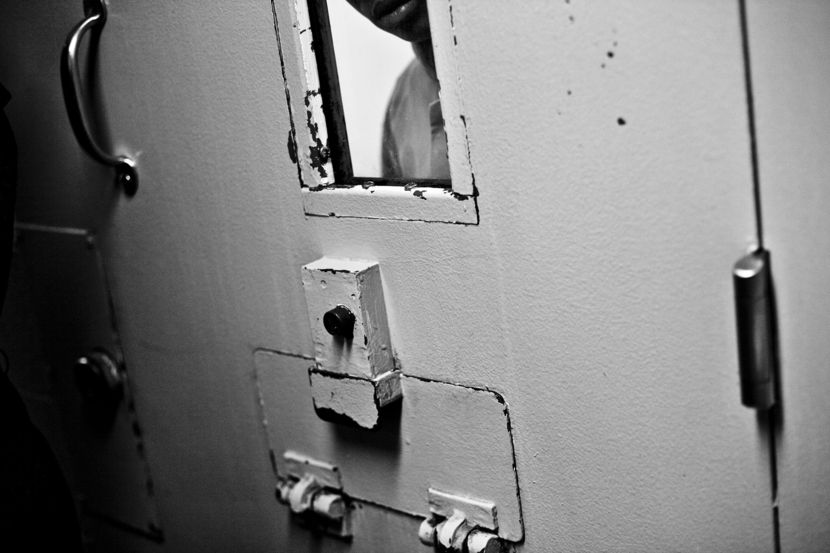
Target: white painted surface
[433,205]
[359,399]
[790,48]
[356,285]
[448,437]
[350,397]
[594,294]
[445,46]
[312,137]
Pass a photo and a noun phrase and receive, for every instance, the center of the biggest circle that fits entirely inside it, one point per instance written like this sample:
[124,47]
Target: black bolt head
[339,322]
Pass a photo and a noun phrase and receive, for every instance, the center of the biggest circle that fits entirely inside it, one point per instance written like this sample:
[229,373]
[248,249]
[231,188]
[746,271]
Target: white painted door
[611,160]
[789,49]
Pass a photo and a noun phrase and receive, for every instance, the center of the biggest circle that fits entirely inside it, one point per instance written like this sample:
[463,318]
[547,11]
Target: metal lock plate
[444,436]
[355,377]
[105,451]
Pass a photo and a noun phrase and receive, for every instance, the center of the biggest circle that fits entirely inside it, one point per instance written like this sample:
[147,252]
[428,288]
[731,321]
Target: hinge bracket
[756,326]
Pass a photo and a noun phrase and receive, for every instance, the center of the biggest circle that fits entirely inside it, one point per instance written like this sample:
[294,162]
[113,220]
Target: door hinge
[756,327]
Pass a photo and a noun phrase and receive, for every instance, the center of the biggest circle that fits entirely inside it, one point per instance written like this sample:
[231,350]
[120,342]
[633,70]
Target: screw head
[339,322]
[126,177]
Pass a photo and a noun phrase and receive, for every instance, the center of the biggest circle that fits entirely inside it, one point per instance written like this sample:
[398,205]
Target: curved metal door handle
[125,166]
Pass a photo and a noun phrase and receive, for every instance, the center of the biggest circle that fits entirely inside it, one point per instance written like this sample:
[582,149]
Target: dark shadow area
[383,440]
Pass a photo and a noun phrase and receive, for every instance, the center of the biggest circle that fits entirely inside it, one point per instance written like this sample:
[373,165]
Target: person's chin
[406,19]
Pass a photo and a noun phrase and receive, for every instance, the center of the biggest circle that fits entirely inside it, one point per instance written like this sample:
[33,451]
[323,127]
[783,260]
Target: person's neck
[425,54]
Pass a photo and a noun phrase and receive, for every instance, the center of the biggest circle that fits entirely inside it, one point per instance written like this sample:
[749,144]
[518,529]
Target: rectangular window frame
[320,157]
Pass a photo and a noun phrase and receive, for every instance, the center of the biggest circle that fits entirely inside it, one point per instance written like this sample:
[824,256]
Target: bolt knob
[480,541]
[339,322]
[99,378]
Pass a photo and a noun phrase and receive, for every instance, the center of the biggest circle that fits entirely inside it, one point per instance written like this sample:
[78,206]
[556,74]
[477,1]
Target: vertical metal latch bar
[755,325]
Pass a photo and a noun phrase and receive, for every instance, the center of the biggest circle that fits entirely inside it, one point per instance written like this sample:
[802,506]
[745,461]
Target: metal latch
[314,492]
[755,317]
[461,525]
[355,379]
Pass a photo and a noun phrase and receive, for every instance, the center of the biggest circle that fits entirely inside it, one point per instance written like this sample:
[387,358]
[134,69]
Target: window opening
[380,92]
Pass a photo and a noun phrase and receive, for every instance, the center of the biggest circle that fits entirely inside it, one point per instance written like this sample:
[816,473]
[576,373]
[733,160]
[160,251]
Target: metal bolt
[480,541]
[99,378]
[339,322]
[452,532]
[283,489]
[426,531]
[329,505]
[301,495]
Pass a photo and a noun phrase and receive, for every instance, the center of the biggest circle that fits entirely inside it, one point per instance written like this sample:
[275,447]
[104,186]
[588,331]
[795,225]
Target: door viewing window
[373,134]
[380,92]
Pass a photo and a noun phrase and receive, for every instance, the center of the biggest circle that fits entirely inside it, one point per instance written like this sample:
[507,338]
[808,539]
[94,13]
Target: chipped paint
[317,160]
[292,131]
[352,400]
[313,147]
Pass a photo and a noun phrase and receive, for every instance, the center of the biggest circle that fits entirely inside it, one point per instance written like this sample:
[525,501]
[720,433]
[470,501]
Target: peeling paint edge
[292,132]
[399,219]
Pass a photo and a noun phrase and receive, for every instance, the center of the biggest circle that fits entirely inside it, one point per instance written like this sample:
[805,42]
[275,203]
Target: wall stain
[452,25]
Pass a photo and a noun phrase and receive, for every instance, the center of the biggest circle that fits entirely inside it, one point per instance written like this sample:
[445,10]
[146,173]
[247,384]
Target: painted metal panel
[790,48]
[109,471]
[609,148]
[449,437]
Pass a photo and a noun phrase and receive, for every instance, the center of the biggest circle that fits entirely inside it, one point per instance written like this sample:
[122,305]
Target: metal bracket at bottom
[461,525]
[314,492]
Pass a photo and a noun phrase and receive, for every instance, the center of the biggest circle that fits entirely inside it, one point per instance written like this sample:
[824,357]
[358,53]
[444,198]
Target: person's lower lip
[394,12]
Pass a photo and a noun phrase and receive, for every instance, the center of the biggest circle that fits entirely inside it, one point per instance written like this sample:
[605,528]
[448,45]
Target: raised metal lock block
[355,376]
[348,317]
